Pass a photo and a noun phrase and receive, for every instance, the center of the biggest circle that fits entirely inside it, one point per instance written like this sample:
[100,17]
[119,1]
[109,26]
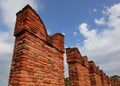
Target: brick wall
[85,73]
[37,58]
[115,82]
[94,74]
[78,68]
[103,78]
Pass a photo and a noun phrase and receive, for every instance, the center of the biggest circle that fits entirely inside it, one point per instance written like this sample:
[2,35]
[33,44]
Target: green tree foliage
[115,77]
[66,81]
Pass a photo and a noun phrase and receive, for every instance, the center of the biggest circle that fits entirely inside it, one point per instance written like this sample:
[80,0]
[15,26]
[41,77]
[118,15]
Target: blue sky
[92,26]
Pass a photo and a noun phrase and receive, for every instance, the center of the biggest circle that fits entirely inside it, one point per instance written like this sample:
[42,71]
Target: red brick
[38,57]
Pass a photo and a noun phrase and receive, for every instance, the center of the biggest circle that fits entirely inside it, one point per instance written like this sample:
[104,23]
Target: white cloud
[63,33]
[6,42]
[49,33]
[100,21]
[75,33]
[114,18]
[10,7]
[8,10]
[65,65]
[94,10]
[104,47]
[83,28]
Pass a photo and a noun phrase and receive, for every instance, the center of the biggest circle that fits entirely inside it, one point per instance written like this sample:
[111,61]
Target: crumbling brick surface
[78,69]
[115,82]
[94,74]
[37,58]
[85,73]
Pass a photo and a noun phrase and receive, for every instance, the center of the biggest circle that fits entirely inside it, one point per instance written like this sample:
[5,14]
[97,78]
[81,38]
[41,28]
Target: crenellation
[28,20]
[98,70]
[57,41]
[85,61]
[78,72]
[73,55]
[85,73]
[38,58]
[35,62]
[92,67]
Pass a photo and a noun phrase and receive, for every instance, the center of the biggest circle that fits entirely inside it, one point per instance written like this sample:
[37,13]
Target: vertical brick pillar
[108,81]
[78,71]
[94,74]
[85,61]
[37,58]
[103,78]
[115,82]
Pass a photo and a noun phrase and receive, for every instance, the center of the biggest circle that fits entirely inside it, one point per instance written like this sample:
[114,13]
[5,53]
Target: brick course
[37,58]
[78,68]
[85,73]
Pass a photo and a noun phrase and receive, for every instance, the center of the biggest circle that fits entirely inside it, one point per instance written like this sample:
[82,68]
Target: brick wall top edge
[73,51]
[29,20]
[98,70]
[69,49]
[91,62]
[26,7]
[101,71]
[29,7]
[25,13]
[57,41]
[73,55]
[85,61]
[102,74]
[60,34]
[85,58]
[92,67]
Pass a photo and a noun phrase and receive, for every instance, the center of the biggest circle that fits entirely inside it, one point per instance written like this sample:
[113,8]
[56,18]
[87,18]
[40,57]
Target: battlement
[85,61]
[57,40]
[73,55]
[28,20]
[78,68]
[38,58]
[92,67]
[85,73]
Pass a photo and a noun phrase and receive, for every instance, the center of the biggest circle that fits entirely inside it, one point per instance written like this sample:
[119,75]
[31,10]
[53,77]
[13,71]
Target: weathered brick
[38,57]
[85,73]
[78,68]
